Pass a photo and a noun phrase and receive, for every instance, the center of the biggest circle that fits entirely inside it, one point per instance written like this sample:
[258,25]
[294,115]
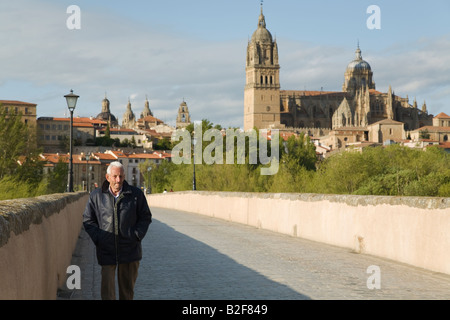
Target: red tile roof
[442,116]
[434,129]
[14,102]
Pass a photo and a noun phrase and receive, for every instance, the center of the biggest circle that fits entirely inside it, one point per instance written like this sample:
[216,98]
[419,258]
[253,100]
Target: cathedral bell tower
[262,85]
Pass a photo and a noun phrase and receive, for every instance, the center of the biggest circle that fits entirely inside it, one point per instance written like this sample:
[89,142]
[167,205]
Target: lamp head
[71,100]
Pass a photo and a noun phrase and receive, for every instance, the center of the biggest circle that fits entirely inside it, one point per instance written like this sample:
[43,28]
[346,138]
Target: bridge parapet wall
[37,239]
[411,230]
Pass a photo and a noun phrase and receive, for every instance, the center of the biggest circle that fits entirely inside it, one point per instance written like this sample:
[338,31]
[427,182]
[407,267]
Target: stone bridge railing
[412,230]
[37,239]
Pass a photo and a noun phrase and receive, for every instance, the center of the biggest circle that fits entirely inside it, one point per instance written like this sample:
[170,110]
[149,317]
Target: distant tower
[129,119]
[106,114]
[147,111]
[262,85]
[183,118]
[358,75]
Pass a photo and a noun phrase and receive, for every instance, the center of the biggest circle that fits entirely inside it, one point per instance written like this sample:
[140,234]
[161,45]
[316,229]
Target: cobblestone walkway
[192,257]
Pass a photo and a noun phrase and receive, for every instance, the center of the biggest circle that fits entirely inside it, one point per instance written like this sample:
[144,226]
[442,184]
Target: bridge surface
[192,257]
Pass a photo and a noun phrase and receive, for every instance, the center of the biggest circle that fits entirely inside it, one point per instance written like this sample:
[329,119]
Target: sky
[194,51]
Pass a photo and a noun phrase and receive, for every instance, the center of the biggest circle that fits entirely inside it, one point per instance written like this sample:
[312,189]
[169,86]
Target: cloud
[128,59]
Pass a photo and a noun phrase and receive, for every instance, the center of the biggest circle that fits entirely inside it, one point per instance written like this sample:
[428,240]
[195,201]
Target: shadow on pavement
[177,267]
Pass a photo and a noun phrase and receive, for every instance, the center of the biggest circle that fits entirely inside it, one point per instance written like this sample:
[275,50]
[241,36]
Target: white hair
[116,164]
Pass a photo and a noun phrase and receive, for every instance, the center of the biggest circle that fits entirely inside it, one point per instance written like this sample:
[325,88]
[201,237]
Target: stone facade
[106,114]
[183,117]
[358,105]
[129,119]
[28,110]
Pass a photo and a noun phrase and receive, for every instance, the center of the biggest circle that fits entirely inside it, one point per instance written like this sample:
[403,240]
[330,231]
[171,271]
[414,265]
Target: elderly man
[117,218]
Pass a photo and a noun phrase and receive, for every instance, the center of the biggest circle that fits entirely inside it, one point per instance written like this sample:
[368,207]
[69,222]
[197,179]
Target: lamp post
[194,182]
[87,171]
[149,190]
[71,104]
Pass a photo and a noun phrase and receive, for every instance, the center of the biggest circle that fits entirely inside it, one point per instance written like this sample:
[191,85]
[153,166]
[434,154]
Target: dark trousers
[126,277]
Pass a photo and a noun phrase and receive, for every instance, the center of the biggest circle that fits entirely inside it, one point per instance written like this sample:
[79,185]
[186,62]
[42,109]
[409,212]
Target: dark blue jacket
[117,226]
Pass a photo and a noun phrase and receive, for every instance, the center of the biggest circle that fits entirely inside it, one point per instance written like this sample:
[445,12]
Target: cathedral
[358,107]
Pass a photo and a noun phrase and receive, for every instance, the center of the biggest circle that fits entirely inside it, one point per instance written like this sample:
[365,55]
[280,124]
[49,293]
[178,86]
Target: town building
[28,110]
[53,134]
[89,169]
[358,113]
[183,117]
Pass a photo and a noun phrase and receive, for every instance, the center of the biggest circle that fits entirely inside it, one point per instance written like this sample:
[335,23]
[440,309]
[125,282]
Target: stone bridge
[219,245]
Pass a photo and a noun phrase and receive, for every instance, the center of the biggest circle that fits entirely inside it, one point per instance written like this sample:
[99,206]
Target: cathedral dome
[262,35]
[358,63]
[106,116]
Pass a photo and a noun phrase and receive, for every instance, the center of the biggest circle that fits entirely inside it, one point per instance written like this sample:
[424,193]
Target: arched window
[445,138]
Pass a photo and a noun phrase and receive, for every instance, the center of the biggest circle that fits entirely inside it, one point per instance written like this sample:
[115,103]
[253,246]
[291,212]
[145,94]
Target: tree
[17,144]
[163,144]
[133,142]
[424,134]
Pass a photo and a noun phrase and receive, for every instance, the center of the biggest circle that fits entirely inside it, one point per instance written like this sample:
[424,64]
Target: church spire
[129,118]
[262,19]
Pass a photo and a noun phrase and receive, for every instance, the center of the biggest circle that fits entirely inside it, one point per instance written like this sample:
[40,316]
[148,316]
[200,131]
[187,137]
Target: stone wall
[412,230]
[37,238]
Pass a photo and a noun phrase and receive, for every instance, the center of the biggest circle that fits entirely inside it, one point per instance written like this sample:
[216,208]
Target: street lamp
[149,190]
[194,182]
[88,157]
[71,103]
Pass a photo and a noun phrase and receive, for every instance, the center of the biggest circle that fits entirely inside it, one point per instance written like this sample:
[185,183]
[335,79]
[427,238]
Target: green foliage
[13,143]
[424,134]
[163,144]
[21,169]
[393,170]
